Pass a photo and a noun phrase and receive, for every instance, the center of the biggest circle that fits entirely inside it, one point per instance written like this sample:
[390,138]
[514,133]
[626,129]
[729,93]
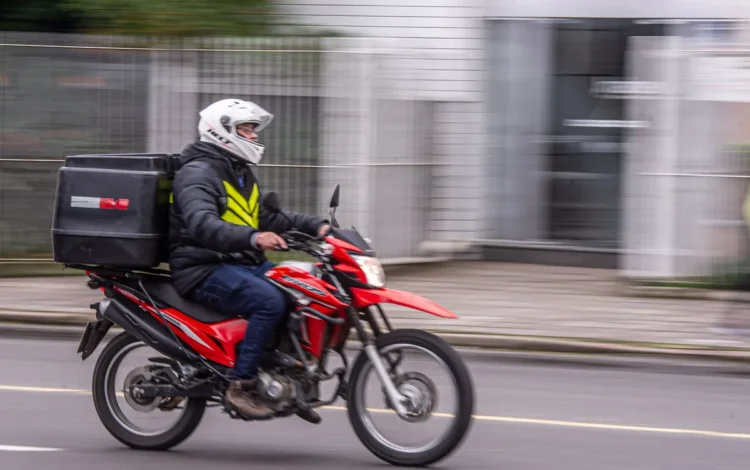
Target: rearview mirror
[271,202]
[335,198]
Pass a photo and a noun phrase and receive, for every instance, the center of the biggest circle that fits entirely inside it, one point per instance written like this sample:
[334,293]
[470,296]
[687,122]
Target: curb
[69,328]
[43,319]
[683,293]
[47,332]
[591,347]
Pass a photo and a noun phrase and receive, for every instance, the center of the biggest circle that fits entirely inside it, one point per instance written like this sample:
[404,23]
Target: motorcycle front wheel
[423,392]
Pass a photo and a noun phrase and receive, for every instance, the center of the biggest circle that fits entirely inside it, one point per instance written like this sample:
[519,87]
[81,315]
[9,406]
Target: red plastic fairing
[354,271]
[364,298]
[216,342]
[323,301]
[341,247]
[297,279]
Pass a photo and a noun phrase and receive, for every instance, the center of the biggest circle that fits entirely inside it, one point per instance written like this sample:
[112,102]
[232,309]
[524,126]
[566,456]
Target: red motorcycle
[339,293]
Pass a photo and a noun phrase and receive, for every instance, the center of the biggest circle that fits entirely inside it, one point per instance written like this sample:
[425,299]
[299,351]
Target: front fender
[364,298]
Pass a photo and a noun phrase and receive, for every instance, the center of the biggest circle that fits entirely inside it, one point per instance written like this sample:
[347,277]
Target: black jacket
[216,214]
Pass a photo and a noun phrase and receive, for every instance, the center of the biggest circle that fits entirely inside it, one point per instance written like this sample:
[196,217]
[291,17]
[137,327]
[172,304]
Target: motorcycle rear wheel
[175,435]
[465,403]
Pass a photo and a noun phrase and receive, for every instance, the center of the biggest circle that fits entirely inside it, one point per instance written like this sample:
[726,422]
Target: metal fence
[333,101]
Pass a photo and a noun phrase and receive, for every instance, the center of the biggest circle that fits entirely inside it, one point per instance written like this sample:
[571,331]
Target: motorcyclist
[219,231]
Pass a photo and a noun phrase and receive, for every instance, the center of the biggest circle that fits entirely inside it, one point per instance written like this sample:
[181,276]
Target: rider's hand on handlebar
[324,230]
[270,241]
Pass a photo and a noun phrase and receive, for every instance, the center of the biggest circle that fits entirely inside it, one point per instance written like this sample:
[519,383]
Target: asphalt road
[530,415]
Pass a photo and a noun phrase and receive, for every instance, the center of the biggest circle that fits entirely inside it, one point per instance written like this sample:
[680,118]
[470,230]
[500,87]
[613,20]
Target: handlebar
[299,241]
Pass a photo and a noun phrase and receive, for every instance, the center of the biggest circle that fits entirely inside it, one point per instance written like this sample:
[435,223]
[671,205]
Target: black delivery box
[113,210]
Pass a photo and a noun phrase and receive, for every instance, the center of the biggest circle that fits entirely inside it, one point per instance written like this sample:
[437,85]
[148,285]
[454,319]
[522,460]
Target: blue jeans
[243,291]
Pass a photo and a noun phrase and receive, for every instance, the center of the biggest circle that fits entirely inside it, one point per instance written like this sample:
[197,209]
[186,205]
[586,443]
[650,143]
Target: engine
[279,391]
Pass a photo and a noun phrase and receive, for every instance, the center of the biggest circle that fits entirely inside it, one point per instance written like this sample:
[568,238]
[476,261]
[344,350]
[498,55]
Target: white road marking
[4,448]
[22,388]
[505,419]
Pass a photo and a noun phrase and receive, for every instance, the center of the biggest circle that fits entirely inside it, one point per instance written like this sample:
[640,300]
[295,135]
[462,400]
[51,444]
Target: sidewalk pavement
[500,305]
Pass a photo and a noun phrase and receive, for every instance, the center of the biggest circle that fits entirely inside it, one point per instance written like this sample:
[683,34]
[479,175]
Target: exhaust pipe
[143,326]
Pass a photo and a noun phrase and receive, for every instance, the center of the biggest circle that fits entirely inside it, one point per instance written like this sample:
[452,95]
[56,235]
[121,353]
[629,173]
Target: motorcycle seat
[163,290]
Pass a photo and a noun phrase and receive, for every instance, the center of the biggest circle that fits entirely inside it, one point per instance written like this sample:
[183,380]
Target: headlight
[373,270]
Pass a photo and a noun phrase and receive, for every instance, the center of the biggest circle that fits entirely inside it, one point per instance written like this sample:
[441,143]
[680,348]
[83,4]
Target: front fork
[395,397]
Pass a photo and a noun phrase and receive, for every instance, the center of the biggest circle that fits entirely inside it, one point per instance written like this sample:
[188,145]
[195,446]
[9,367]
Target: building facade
[570,132]
[581,132]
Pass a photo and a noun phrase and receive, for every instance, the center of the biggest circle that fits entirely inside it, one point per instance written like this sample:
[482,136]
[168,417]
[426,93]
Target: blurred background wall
[608,134]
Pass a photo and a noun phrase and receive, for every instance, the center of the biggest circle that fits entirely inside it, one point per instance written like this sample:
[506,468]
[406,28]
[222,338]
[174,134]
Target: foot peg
[309,415]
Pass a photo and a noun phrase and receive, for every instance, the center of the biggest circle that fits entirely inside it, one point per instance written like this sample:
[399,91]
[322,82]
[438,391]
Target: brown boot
[243,397]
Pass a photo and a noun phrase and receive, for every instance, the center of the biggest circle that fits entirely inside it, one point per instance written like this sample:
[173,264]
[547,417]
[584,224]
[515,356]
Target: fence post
[368,119]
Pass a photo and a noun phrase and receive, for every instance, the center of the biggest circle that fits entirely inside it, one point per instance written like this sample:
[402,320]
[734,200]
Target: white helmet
[218,125]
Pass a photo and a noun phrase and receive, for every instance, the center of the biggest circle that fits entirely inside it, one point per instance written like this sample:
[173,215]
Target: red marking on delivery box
[106,203]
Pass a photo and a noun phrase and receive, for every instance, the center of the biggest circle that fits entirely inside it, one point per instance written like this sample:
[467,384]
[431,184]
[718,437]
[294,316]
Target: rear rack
[113,271]
[111,278]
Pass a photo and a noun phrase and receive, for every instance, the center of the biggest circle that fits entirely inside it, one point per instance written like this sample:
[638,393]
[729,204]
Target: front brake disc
[422,393]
